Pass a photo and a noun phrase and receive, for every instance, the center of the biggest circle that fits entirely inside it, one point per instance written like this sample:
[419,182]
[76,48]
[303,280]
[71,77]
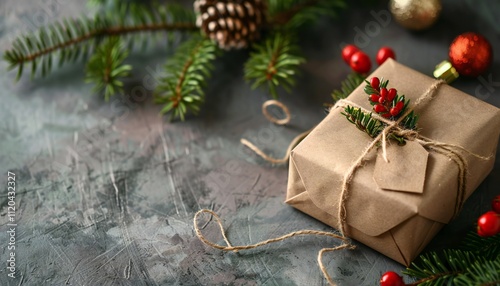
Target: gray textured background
[107,191]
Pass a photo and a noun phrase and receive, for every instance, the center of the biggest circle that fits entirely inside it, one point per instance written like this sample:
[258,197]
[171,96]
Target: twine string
[229,247]
[277,121]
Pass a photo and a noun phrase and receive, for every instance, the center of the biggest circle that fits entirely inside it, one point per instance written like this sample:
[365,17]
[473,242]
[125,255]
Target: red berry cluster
[386,102]
[391,278]
[360,62]
[489,223]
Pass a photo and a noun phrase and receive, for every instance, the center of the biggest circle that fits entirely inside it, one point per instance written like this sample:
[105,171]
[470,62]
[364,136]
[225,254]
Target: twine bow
[452,151]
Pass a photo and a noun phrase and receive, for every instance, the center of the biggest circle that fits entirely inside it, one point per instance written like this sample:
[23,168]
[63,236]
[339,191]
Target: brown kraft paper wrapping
[397,223]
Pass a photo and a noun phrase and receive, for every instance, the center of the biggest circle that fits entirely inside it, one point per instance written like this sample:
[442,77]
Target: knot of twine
[452,151]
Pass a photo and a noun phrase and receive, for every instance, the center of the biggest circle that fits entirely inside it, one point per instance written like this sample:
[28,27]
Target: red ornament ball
[360,62]
[348,51]
[495,205]
[391,278]
[471,54]
[383,54]
[488,224]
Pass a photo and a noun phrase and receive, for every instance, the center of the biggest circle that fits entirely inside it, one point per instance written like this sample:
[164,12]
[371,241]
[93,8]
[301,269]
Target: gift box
[396,204]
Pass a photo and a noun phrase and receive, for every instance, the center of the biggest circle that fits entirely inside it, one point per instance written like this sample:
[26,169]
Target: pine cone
[232,24]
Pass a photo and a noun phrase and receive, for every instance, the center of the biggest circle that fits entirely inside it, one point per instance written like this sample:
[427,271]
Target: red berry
[383,95]
[348,51]
[395,111]
[392,94]
[383,54]
[360,62]
[379,108]
[383,92]
[481,233]
[400,105]
[488,224]
[374,97]
[386,115]
[496,204]
[375,83]
[391,278]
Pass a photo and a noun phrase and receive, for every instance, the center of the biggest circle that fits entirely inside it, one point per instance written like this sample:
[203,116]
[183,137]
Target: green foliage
[347,86]
[363,121]
[293,14]
[478,263]
[488,247]
[106,69]
[274,63]
[480,273]
[181,89]
[410,121]
[69,40]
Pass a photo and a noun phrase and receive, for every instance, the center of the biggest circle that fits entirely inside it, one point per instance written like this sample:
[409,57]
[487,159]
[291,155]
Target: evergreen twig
[181,89]
[295,13]
[363,121]
[274,62]
[347,86]
[478,263]
[75,38]
[105,68]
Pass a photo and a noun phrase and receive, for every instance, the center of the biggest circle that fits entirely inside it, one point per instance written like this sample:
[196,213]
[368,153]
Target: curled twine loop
[452,151]
[277,121]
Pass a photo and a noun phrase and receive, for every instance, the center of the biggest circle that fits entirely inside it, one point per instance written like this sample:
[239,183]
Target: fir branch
[481,273]
[363,121]
[187,71]
[75,38]
[440,268]
[105,68]
[488,247]
[295,13]
[274,62]
[459,267]
[347,86]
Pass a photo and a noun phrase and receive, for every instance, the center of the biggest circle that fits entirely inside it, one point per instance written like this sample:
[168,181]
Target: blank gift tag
[405,171]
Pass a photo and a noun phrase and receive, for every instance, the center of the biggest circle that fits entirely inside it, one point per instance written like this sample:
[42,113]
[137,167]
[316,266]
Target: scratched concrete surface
[106,192]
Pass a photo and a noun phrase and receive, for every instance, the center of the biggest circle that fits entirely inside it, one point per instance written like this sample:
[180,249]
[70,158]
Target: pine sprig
[363,121]
[488,247]
[481,273]
[181,89]
[274,63]
[478,263]
[347,86]
[73,39]
[295,13]
[436,268]
[106,69]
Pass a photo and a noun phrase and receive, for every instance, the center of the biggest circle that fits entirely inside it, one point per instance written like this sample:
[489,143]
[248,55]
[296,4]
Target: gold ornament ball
[415,14]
